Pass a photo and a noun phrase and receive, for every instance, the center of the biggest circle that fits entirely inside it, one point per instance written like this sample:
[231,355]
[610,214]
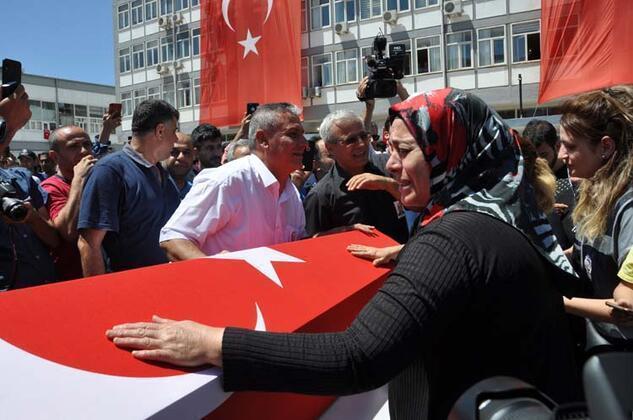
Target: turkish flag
[251,52]
[585,45]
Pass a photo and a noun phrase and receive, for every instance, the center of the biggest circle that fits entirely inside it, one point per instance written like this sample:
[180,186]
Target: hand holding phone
[251,107]
[622,310]
[114,109]
[11,76]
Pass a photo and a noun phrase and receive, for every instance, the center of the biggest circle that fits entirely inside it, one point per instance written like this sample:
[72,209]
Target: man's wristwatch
[3,130]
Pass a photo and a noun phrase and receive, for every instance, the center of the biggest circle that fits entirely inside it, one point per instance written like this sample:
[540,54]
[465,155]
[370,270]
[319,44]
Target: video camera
[384,71]
[10,205]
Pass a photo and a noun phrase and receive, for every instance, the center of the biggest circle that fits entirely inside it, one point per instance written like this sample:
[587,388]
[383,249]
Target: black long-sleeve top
[469,298]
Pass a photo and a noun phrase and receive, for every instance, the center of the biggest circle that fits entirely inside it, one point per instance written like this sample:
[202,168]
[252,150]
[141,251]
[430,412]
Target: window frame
[491,41]
[322,6]
[127,103]
[313,66]
[305,22]
[371,8]
[427,48]
[134,12]
[346,61]
[170,10]
[123,11]
[416,7]
[195,41]
[123,59]
[460,57]
[184,87]
[525,35]
[345,10]
[155,53]
[398,4]
[168,41]
[153,6]
[140,54]
[183,40]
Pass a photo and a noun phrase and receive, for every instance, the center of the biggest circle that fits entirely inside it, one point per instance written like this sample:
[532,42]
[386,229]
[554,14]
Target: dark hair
[148,114]
[539,132]
[204,132]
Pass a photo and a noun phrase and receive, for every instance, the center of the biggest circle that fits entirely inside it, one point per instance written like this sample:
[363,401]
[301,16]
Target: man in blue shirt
[128,197]
[24,241]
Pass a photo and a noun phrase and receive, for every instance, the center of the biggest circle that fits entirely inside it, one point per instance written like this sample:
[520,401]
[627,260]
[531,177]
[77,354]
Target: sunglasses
[176,152]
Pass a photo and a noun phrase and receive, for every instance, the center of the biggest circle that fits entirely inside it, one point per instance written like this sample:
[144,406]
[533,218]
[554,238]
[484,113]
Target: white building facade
[58,102]
[484,46]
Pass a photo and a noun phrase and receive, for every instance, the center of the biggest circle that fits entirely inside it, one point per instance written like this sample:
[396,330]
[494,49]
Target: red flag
[251,52]
[585,45]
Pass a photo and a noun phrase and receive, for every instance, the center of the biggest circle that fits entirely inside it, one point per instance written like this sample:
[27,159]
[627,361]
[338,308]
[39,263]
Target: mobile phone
[11,76]
[619,308]
[114,108]
[308,156]
[251,107]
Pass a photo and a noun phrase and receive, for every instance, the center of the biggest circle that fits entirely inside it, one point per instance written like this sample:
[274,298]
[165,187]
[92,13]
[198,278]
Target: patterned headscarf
[476,164]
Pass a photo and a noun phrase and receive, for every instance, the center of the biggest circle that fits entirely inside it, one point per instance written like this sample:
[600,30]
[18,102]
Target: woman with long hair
[597,146]
[472,294]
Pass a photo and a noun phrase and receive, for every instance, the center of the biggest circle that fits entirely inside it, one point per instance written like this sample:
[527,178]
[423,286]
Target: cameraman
[378,158]
[24,255]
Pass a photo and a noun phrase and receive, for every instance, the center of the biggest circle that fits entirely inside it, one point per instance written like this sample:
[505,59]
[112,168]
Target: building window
[459,50]
[35,123]
[364,53]
[152,53]
[181,4]
[195,3]
[126,104]
[344,10]
[370,8]
[304,16]
[138,56]
[406,65]
[66,114]
[150,10]
[320,13]
[153,92]
[166,50]
[96,111]
[166,7]
[305,72]
[195,41]
[81,116]
[347,66]
[428,54]
[196,91]
[182,45]
[492,46]
[184,93]
[96,114]
[139,96]
[526,41]
[124,60]
[425,3]
[124,16]
[137,12]
[322,70]
[168,93]
[399,5]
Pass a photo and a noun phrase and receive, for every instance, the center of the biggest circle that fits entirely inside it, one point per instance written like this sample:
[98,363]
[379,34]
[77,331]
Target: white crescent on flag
[225,12]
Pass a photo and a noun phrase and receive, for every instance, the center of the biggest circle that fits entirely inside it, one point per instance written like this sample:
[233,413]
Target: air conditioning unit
[177,18]
[305,92]
[178,66]
[162,69]
[341,28]
[390,17]
[453,7]
[164,22]
[316,92]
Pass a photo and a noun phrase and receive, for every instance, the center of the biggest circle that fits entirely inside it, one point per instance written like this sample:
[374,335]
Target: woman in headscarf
[471,295]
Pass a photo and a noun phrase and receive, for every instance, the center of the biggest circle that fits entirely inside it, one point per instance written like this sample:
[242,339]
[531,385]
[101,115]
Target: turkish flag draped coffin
[57,363]
[585,45]
[250,52]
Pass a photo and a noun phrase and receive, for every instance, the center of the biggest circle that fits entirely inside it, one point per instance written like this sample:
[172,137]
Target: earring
[604,157]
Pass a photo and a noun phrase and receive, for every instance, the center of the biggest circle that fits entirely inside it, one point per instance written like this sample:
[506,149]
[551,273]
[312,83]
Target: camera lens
[14,209]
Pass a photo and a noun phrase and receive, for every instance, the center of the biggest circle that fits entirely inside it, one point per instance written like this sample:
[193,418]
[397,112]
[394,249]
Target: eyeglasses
[352,139]
[176,152]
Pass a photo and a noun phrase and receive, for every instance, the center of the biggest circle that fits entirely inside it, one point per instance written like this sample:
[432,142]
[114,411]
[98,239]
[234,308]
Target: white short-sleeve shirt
[237,206]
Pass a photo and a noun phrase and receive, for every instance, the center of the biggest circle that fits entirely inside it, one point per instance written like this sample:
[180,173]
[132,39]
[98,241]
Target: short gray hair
[267,118]
[230,149]
[325,129]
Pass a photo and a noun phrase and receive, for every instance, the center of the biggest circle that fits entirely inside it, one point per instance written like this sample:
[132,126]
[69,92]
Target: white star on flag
[261,259]
[249,44]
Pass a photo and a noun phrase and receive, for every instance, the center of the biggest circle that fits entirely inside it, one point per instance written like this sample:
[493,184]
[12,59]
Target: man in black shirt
[354,190]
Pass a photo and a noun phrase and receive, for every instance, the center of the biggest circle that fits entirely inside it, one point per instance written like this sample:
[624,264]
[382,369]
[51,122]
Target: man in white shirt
[248,202]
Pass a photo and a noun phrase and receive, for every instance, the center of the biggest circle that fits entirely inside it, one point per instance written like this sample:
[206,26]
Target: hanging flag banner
[585,45]
[56,361]
[250,52]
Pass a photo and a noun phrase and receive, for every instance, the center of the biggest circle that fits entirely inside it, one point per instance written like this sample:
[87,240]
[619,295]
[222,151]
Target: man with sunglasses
[180,163]
[354,190]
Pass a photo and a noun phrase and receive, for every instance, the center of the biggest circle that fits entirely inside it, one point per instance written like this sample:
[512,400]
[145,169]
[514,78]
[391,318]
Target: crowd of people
[500,234]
